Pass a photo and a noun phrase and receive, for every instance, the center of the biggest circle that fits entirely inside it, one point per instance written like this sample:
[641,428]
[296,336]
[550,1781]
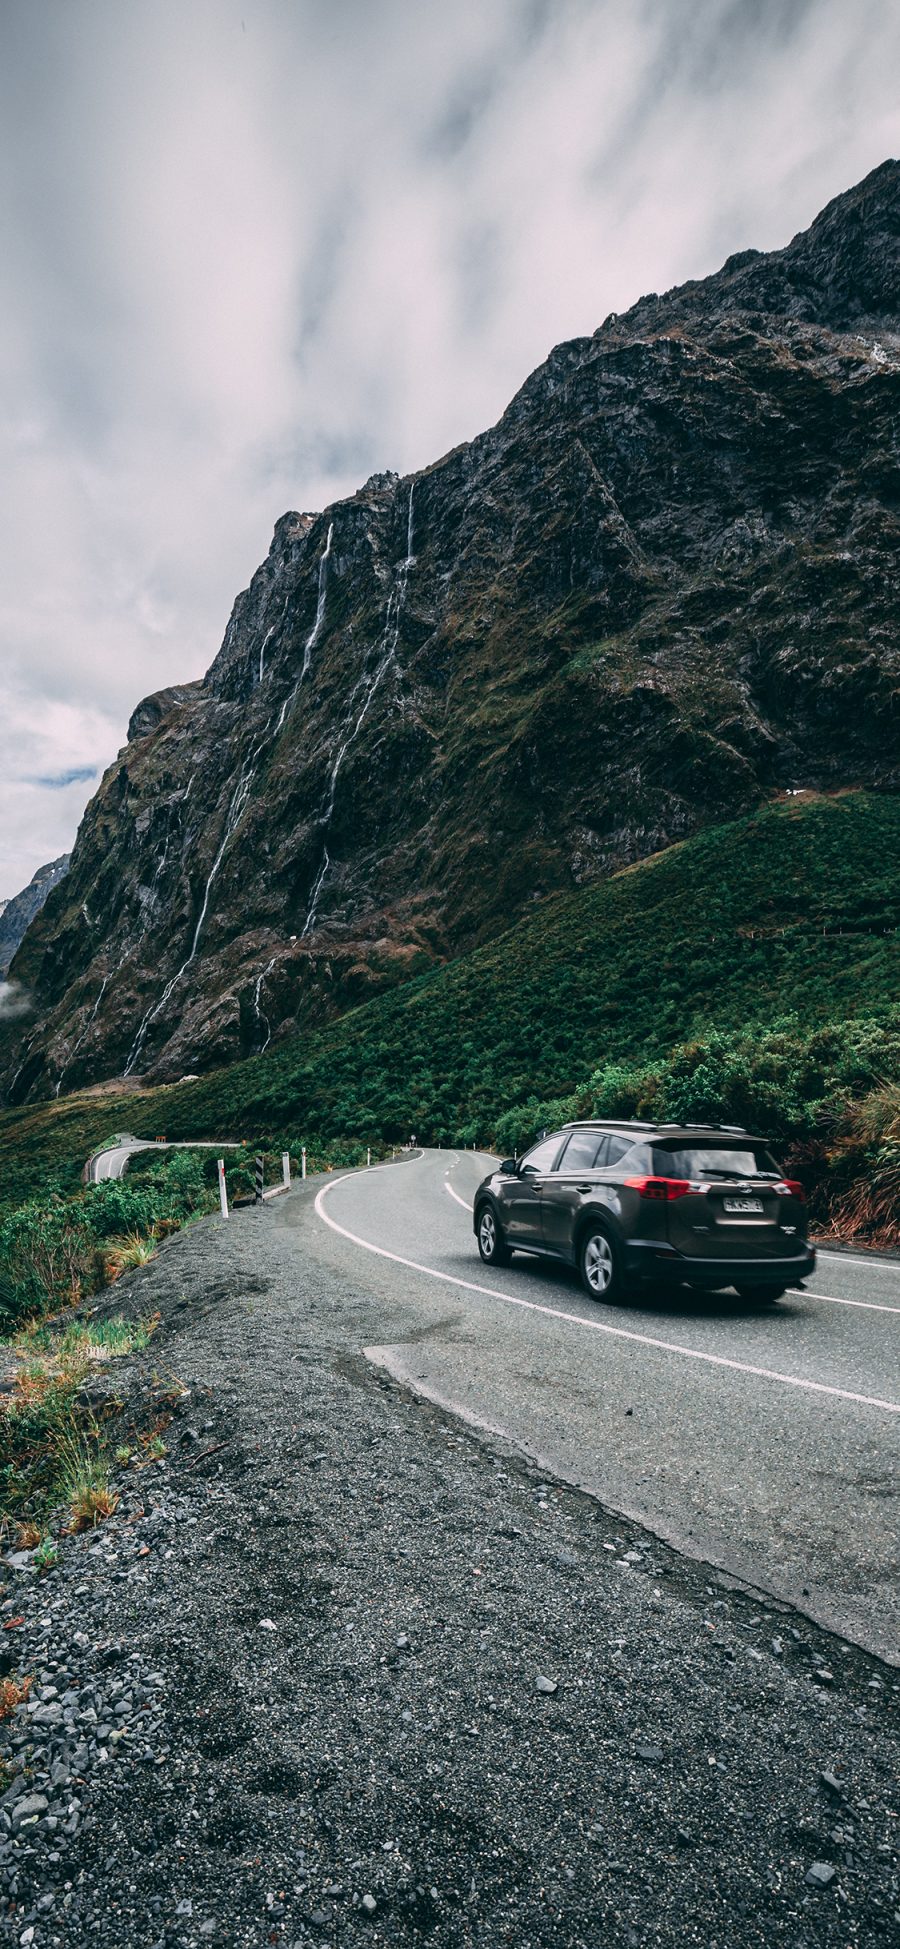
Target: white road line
[869,1305]
[872,1265]
[594,1326]
[460,1201]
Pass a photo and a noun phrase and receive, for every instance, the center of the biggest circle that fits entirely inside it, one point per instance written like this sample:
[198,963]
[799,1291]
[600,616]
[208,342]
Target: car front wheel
[601,1269]
[491,1243]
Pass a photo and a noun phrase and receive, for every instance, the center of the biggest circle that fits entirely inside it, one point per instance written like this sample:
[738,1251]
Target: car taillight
[663,1188]
[794,1187]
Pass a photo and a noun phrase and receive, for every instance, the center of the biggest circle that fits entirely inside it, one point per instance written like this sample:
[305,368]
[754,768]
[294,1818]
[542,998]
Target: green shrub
[47,1259]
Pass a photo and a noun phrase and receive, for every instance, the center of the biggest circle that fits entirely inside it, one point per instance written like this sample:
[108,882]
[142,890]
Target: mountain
[660,590]
[17,914]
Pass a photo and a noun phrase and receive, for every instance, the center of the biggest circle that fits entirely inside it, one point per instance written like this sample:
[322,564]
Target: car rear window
[746,1160]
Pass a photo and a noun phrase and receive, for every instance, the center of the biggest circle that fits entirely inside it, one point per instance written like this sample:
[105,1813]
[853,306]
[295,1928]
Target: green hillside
[778,933]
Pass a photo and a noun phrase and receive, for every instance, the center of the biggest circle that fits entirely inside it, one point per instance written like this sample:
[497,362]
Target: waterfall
[260,1018]
[235,810]
[262,651]
[389,641]
[314,897]
[85,1031]
[313,636]
[270,632]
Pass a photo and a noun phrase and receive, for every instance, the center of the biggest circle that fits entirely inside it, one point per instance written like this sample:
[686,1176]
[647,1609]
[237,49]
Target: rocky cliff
[662,587]
[17,914]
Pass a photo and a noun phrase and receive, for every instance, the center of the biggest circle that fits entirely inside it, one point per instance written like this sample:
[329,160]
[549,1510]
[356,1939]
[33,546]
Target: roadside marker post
[223,1188]
[260,1180]
[303,1161]
[286,1166]
[368,1157]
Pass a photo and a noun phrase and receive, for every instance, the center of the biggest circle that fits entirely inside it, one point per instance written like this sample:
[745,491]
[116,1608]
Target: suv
[632,1203]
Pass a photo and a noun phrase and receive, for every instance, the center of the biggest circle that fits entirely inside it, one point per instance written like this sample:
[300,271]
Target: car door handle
[584,1187]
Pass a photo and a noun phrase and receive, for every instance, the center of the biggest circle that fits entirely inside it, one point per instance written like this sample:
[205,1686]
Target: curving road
[765,1443]
[112,1161]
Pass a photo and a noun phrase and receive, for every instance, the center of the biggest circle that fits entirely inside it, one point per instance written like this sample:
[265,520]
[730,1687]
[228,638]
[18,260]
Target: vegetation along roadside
[748,975]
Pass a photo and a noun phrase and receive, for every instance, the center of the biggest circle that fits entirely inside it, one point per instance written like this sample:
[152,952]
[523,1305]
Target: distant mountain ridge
[17,914]
[662,588]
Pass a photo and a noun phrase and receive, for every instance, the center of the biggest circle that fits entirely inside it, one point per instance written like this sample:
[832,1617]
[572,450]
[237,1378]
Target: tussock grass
[13,1692]
[84,1478]
[122,1254]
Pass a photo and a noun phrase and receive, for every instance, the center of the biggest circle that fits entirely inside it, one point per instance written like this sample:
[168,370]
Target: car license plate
[742,1204]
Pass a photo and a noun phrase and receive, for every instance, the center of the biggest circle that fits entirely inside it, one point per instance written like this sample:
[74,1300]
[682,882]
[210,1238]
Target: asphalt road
[763,1442]
[113,1161]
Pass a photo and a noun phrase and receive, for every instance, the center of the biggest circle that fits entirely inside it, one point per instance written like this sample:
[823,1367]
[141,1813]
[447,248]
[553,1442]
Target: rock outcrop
[663,586]
[17,914]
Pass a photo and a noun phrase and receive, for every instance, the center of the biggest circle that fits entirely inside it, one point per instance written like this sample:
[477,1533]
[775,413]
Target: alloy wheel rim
[598,1263]
[487,1232]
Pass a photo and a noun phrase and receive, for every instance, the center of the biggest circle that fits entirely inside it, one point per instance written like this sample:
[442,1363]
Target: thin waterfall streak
[390,639]
[235,810]
[85,1031]
[313,636]
[256,1008]
[262,651]
[270,632]
[307,924]
[242,793]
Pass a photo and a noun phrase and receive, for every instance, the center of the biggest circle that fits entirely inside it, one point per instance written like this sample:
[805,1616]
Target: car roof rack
[607,1123]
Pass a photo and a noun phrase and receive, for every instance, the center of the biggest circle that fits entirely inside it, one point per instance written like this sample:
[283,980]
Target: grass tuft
[13,1692]
[123,1254]
[84,1479]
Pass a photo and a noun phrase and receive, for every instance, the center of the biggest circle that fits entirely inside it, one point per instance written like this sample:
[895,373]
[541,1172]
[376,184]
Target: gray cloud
[14,1001]
[255,250]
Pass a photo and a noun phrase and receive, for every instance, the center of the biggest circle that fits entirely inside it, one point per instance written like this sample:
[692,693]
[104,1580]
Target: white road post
[223,1188]
[286,1166]
[368,1157]
[303,1161]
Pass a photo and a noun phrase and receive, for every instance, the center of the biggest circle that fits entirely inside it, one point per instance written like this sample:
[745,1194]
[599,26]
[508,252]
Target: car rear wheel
[763,1295]
[601,1267]
[491,1243]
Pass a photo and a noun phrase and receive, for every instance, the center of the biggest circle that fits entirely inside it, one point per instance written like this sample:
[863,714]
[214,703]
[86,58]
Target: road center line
[460,1201]
[868,1305]
[593,1326]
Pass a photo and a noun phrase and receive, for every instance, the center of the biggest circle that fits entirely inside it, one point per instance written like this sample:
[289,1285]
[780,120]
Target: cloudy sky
[253,250]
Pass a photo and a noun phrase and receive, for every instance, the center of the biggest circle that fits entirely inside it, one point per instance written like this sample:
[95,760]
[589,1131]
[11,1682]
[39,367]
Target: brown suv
[640,1203]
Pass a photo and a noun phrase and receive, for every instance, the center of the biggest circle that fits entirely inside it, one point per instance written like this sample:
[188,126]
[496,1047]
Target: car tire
[491,1242]
[763,1295]
[601,1267]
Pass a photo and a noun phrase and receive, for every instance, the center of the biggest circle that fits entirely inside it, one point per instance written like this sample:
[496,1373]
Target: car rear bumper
[653,1259]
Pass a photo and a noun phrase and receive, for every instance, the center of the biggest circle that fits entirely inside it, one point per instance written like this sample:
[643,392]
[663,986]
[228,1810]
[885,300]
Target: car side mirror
[509,1167]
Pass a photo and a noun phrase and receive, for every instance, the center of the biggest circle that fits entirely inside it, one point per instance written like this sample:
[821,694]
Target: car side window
[543,1156]
[580,1153]
[617,1148]
[640,1158]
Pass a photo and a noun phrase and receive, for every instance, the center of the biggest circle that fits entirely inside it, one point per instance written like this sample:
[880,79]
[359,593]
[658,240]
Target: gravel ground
[341,1671]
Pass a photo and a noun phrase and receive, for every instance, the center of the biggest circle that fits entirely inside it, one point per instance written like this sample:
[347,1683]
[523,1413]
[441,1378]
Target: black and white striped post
[260,1180]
